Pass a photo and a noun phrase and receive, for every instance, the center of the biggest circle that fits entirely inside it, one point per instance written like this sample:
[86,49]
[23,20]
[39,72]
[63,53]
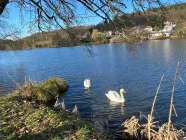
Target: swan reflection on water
[115,105]
[88,91]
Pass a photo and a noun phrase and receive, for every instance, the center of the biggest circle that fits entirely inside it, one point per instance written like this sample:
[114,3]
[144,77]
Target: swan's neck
[122,97]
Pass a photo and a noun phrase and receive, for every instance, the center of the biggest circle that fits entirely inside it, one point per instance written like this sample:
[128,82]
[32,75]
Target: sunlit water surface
[114,66]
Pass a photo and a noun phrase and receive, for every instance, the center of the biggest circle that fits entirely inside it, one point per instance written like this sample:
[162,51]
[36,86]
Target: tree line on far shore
[82,35]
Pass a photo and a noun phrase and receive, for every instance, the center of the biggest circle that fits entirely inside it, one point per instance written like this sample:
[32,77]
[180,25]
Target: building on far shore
[148,28]
[109,33]
[163,34]
[168,26]
[155,35]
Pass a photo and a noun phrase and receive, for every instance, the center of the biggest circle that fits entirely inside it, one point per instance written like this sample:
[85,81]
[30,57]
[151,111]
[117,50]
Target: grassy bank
[24,115]
[44,92]
[21,119]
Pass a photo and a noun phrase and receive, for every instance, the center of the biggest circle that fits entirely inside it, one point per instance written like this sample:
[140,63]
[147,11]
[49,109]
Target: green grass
[21,119]
[44,92]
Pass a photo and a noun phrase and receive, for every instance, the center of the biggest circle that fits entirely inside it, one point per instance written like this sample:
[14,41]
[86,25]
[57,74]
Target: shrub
[44,92]
[95,34]
[51,88]
[103,40]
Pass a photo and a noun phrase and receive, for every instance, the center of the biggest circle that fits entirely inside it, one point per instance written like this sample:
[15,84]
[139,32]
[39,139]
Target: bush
[103,40]
[95,35]
[51,88]
[44,92]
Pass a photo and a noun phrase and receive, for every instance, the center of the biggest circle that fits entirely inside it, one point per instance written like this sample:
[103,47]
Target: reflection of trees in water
[115,105]
[20,73]
[103,119]
[89,91]
[103,113]
[16,73]
[132,47]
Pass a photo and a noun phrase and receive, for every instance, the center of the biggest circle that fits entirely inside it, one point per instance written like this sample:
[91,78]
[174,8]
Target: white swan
[114,96]
[87,83]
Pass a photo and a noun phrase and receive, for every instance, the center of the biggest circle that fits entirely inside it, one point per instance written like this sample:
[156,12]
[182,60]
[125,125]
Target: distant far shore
[111,40]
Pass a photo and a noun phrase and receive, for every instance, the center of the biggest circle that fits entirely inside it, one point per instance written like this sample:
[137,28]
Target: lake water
[113,67]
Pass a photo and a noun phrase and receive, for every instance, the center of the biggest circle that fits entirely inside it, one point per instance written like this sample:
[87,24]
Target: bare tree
[64,14]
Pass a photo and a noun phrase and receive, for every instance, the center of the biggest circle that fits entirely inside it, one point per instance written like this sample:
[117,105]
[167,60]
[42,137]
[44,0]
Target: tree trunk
[3,4]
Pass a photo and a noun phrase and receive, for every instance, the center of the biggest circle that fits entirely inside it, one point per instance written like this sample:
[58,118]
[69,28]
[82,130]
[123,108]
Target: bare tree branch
[3,4]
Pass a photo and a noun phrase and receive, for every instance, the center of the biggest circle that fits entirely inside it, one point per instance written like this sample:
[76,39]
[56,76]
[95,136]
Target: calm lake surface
[113,67]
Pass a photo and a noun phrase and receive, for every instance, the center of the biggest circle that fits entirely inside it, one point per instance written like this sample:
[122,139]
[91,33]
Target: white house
[109,33]
[167,34]
[174,24]
[155,35]
[168,26]
[148,28]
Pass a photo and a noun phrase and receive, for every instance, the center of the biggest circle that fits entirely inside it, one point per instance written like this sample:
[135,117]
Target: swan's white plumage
[87,83]
[114,96]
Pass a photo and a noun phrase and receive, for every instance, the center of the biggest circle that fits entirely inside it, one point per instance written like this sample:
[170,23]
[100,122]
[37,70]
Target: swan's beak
[124,91]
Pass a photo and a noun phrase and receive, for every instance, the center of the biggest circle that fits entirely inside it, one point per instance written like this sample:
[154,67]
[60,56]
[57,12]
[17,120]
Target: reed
[75,110]
[28,90]
[132,126]
[63,105]
[172,98]
[150,129]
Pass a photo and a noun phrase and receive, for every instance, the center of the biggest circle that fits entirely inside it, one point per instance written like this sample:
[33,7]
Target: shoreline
[21,119]
[27,114]
[81,45]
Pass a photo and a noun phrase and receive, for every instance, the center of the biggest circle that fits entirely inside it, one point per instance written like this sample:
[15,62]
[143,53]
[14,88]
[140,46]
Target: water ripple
[114,67]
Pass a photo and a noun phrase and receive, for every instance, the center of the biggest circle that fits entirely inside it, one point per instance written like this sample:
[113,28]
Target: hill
[55,38]
[152,17]
[4,43]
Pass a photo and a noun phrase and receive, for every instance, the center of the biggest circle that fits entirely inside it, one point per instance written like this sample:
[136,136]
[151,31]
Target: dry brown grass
[172,134]
[75,110]
[28,89]
[151,129]
[132,126]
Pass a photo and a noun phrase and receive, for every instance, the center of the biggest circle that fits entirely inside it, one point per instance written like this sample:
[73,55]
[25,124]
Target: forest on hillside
[55,38]
[152,17]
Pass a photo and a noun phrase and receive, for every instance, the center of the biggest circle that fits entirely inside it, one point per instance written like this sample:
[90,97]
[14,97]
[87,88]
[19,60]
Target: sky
[92,20]
[22,24]
[89,18]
